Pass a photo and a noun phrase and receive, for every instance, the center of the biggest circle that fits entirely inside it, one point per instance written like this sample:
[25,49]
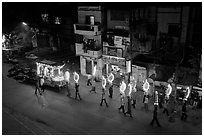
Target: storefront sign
[113,60]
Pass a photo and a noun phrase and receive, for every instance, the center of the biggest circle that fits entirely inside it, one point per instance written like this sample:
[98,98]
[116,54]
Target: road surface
[54,113]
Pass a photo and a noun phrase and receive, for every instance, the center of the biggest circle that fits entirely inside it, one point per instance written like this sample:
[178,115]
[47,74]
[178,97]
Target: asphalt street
[54,113]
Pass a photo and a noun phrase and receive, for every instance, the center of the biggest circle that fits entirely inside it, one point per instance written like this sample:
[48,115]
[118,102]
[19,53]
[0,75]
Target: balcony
[85,29]
[89,53]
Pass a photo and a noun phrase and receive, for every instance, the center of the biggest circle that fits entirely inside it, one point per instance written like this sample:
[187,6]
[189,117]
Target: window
[117,15]
[57,20]
[45,18]
[174,30]
[152,28]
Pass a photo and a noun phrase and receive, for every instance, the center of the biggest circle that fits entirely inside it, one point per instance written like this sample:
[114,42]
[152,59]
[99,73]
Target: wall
[178,15]
[82,16]
[112,24]
[82,65]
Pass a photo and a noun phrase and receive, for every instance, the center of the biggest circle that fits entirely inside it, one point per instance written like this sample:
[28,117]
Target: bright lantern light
[168,90]
[130,88]
[188,92]
[94,71]
[24,23]
[76,77]
[122,87]
[146,86]
[111,78]
[103,82]
[156,98]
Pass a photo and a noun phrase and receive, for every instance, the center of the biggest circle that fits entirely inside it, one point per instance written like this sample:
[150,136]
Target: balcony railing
[85,29]
[90,53]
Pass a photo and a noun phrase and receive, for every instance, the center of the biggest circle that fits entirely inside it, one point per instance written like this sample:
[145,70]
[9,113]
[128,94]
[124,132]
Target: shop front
[88,65]
[120,67]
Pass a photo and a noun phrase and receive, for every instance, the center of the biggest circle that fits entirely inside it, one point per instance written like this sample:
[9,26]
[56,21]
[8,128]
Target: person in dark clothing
[103,98]
[93,86]
[111,90]
[42,84]
[89,80]
[155,117]
[122,101]
[37,86]
[129,106]
[77,91]
[165,108]
[184,115]
[134,98]
[68,90]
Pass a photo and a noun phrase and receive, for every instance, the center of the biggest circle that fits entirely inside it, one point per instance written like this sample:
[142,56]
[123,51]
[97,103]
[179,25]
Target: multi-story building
[116,45]
[88,42]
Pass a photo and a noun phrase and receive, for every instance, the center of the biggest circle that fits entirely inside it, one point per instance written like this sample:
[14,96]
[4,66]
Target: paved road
[55,113]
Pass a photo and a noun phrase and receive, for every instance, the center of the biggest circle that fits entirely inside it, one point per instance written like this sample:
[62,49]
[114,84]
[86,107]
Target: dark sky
[15,12]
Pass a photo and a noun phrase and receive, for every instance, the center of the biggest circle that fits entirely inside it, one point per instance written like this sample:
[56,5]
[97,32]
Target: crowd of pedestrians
[127,102]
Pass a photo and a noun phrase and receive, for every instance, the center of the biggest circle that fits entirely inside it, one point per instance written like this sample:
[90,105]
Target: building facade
[88,42]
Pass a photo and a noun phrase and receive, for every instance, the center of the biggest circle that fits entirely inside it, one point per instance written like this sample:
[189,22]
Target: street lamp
[24,23]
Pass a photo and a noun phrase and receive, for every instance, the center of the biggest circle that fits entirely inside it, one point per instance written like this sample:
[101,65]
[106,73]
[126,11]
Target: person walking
[37,85]
[66,77]
[111,90]
[77,91]
[165,108]
[146,101]
[103,98]
[184,115]
[155,117]
[93,86]
[122,103]
[134,97]
[129,111]
[42,83]
[89,80]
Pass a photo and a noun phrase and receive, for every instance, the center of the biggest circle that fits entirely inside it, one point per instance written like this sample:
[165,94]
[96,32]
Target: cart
[52,73]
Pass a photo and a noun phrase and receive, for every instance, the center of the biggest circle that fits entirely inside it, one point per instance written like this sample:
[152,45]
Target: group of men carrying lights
[130,93]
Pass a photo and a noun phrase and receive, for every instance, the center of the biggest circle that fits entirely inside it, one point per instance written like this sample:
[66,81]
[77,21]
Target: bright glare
[24,23]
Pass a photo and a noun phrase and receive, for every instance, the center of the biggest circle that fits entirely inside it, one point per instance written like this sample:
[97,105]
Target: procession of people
[128,95]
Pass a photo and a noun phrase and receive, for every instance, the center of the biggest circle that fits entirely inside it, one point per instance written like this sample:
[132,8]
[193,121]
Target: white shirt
[66,75]
[42,81]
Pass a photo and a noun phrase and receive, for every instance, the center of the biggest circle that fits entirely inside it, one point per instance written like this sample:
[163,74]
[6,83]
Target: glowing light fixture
[24,23]
[168,90]
[122,87]
[188,92]
[130,88]
[103,82]
[111,78]
[156,102]
[94,71]
[146,86]
[76,77]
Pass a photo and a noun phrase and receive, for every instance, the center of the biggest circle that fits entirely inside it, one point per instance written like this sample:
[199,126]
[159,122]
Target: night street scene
[101,68]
